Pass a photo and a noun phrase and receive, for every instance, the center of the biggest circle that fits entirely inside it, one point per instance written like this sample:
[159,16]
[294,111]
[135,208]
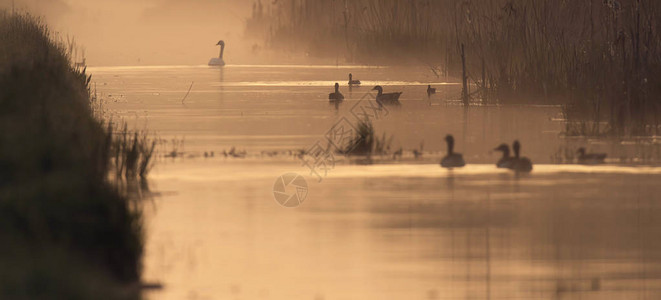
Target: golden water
[406,229]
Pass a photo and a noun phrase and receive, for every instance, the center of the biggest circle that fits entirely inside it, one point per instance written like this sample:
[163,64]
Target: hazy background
[147,32]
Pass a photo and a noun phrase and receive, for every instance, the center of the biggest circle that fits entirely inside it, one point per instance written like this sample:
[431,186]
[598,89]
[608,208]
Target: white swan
[218,61]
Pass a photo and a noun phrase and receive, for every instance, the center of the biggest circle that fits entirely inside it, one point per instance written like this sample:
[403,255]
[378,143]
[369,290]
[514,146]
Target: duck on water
[353,81]
[386,98]
[506,160]
[336,96]
[522,164]
[590,158]
[516,163]
[452,159]
[430,90]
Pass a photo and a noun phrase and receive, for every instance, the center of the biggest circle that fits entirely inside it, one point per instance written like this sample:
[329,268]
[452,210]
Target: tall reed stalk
[601,59]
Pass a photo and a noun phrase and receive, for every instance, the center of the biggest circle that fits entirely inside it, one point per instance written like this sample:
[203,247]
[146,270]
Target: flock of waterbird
[452,159]
[381,97]
[517,162]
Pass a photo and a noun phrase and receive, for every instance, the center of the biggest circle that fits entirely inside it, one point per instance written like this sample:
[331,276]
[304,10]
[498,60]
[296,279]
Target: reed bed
[67,231]
[365,142]
[601,59]
[131,152]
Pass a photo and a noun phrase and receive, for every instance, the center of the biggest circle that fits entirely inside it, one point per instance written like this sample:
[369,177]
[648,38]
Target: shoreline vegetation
[600,59]
[68,229]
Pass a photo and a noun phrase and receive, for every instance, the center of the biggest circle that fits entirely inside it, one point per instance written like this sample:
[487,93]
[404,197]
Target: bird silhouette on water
[506,160]
[336,96]
[430,90]
[386,98]
[218,61]
[521,164]
[590,158]
[516,163]
[352,81]
[452,159]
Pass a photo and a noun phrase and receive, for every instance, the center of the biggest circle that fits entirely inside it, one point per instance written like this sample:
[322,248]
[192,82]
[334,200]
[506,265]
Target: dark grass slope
[63,225]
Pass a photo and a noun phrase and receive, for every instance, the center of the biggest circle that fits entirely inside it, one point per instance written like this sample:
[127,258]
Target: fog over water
[392,224]
[148,32]
[403,229]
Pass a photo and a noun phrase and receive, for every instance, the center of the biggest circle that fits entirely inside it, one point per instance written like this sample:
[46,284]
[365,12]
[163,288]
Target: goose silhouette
[521,164]
[452,159]
[506,160]
[430,90]
[590,158]
[516,163]
[386,98]
[352,81]
[336,96]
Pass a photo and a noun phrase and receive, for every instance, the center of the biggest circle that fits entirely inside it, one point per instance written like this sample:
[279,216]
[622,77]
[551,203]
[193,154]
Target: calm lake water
[396,229]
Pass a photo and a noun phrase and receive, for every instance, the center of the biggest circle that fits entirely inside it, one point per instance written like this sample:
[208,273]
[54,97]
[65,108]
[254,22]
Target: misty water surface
[399,230]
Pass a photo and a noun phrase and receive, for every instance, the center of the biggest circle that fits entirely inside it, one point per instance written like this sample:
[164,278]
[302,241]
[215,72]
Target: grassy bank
[599,58]
[66,230]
